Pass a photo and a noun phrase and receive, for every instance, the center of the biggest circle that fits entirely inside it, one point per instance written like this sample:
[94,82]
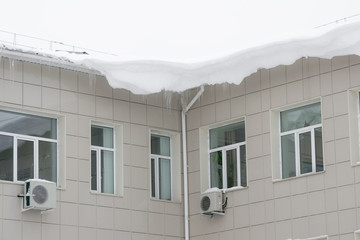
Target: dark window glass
[48,161]
[26,124]
[25,161]
[102,136]
[6,158]
[160,145]
[227,135]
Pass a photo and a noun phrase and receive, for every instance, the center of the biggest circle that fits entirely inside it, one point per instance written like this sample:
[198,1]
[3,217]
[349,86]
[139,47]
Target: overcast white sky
[177,30]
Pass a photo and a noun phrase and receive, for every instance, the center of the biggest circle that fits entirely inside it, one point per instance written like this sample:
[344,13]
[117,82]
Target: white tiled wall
[83,98]
[321,204]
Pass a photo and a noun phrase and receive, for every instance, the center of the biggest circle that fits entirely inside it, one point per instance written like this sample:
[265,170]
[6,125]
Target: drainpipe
[186,194]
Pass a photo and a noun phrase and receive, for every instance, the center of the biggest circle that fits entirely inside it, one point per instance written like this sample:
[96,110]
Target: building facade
[283,146]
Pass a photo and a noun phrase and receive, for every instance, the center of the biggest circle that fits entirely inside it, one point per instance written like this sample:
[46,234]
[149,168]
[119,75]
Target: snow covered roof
[147,76]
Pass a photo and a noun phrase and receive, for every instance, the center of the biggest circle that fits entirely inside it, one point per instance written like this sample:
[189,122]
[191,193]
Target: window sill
[300,176]
[165,201]
[21,183]
[105,194]
[355,164]
[233,189]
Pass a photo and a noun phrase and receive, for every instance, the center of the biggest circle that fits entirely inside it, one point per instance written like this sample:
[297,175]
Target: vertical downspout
[186,194]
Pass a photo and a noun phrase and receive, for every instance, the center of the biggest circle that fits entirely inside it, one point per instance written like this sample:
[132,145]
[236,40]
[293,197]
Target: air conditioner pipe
[183,129]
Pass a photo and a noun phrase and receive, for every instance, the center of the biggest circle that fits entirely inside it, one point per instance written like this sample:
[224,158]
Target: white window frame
[296,133]
[223,150]
[275,138]
[156,168]
[35,140]
[98,150]
[357,234]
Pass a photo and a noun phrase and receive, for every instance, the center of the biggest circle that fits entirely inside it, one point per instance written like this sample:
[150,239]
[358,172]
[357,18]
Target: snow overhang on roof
[146,76]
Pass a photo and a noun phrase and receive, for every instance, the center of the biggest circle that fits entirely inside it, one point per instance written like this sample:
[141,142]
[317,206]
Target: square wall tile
[122,219]
[69,214]
[104,107]
[13,70]
[311,67]
[294,71]
[222,111]
[222,92]
[138,113]
[341,80]
[11,230]
[32,95]
[139,221]
[11,92]
[325,65]
[50,99]
[278,96]
[86,83]
[69,102]
[154,116]
[87,216]
[312,87]
[355,76]
[68,80]
[294,92]
[103,88]
[105,217]
[326,84]
[277,76]
[340,62]
[50,231]
[32,73]
[50,76]
[253,103]
[237,90]
[253,83]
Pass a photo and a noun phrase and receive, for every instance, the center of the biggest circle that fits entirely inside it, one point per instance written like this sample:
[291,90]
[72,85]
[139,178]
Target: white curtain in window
[164,179]
[107,172]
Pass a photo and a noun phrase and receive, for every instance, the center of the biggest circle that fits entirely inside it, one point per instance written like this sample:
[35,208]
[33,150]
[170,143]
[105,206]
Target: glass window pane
[164,179]
[288,156]
[318,150]
[160,145]
[107,172]
[300,117]
[216,170]
[25,160]
[227,135]
[48,161]
[102,136]
[243,165]
[28,124]
[93,170]
[153,178]
[231,168]
[305,152]
[6,158]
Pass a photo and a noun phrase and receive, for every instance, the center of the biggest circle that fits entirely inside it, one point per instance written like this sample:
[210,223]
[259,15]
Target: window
[161,162]
[28,147]
[227,156]
[301,140]
[102,159]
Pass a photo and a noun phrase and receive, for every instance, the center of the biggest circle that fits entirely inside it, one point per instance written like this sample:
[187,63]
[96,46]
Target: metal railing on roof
[35,43]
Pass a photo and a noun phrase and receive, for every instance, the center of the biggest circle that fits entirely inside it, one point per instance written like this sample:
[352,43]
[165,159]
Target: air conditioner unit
[39,195]
[212,203]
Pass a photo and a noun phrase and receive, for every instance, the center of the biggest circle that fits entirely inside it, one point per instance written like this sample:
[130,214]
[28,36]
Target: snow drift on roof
[145,77]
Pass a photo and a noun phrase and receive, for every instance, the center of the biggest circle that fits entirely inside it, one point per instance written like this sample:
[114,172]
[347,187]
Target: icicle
[168,95]
[92,80]
[12,69]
